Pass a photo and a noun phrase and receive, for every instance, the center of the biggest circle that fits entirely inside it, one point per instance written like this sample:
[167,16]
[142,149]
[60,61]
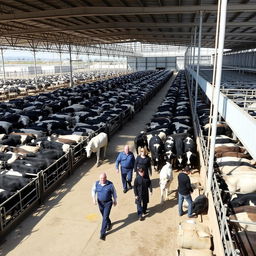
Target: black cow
[200,205]
[156,147]
[243,199]
[190,157]
[179,149]
[169,148]
[141,141]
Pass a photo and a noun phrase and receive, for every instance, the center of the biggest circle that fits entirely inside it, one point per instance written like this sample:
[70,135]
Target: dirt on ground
[68,223]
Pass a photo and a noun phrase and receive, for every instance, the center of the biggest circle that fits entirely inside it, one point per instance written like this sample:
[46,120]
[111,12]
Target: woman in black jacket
[142,186]
[143,161]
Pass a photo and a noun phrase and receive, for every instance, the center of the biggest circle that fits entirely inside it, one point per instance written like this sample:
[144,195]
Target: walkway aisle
[68,224]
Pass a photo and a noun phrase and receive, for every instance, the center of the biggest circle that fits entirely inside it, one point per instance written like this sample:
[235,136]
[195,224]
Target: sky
[29,55]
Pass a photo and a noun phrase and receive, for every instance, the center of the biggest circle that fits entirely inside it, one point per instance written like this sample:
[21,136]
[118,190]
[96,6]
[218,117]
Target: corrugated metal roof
[89,22]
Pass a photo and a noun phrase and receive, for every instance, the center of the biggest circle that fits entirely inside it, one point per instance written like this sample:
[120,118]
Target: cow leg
[162,195]
[105,150]
[98,157]
[168,189]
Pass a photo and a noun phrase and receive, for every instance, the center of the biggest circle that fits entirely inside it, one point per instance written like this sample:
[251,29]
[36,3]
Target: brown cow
[229,149]
[232,154]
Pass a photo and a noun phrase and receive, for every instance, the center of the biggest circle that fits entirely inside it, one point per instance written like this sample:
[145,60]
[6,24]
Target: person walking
[126,161]
[184,190]
[142,186]
[103,191]
[143,161]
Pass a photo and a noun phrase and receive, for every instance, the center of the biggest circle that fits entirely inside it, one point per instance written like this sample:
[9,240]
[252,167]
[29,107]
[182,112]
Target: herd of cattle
[18,86]
[169,134]
[235,173]
[37,132]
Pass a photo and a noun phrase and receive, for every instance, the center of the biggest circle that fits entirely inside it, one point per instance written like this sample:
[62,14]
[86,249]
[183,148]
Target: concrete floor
[68,223]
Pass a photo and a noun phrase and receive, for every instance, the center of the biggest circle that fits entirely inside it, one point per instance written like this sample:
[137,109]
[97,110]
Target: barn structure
[205,47]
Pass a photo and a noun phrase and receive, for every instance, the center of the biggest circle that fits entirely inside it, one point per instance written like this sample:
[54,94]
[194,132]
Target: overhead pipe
[221,39]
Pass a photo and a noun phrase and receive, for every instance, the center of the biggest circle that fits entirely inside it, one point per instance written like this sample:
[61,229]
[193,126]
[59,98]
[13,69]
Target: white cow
[244,183]
[166,177]
[95,144]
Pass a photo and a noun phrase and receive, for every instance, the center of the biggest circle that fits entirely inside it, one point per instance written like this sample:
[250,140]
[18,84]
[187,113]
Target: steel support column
[193,59]
[3,65]
[60,64]
[70,67]
[35,67]
[221,38]
[198,57]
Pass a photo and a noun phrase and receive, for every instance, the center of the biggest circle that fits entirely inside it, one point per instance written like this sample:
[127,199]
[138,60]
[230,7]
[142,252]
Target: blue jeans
[105,208]
[126,177]
[180,202]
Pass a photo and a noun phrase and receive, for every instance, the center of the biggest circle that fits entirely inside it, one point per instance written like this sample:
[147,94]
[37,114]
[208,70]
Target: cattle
[229,160]
[72,137]
[156,147]
[229,147]
[4,195]
[179,148]
[169,148]
[54,145]
[8,158]
[5,127]
[12,183]
[28,148]
[200,205]
[141,141]
[243,183]
[221,139]
[222,129]
[190,152]
[95,144]
[237,169]
[243,199]
[232,154]
[165,178]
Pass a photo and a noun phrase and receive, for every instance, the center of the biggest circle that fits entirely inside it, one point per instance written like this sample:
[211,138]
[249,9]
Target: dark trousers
[142,207]
[105,208]
[126,178]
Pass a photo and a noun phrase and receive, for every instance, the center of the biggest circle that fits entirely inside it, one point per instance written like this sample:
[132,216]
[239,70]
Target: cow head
[88,150]
[65,148]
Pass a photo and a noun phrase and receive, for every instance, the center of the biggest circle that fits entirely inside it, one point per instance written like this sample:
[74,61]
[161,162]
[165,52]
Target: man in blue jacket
[102,193]
[126,160]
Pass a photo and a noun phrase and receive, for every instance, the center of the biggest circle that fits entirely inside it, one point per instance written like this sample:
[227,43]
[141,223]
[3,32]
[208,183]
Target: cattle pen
[177,78]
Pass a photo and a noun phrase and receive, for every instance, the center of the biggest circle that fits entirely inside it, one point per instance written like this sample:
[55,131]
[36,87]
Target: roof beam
[117,25]
[113,11]
[131,33]
[170,38]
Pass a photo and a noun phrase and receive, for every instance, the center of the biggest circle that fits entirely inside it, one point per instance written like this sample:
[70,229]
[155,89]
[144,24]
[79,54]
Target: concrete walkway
[68,224]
